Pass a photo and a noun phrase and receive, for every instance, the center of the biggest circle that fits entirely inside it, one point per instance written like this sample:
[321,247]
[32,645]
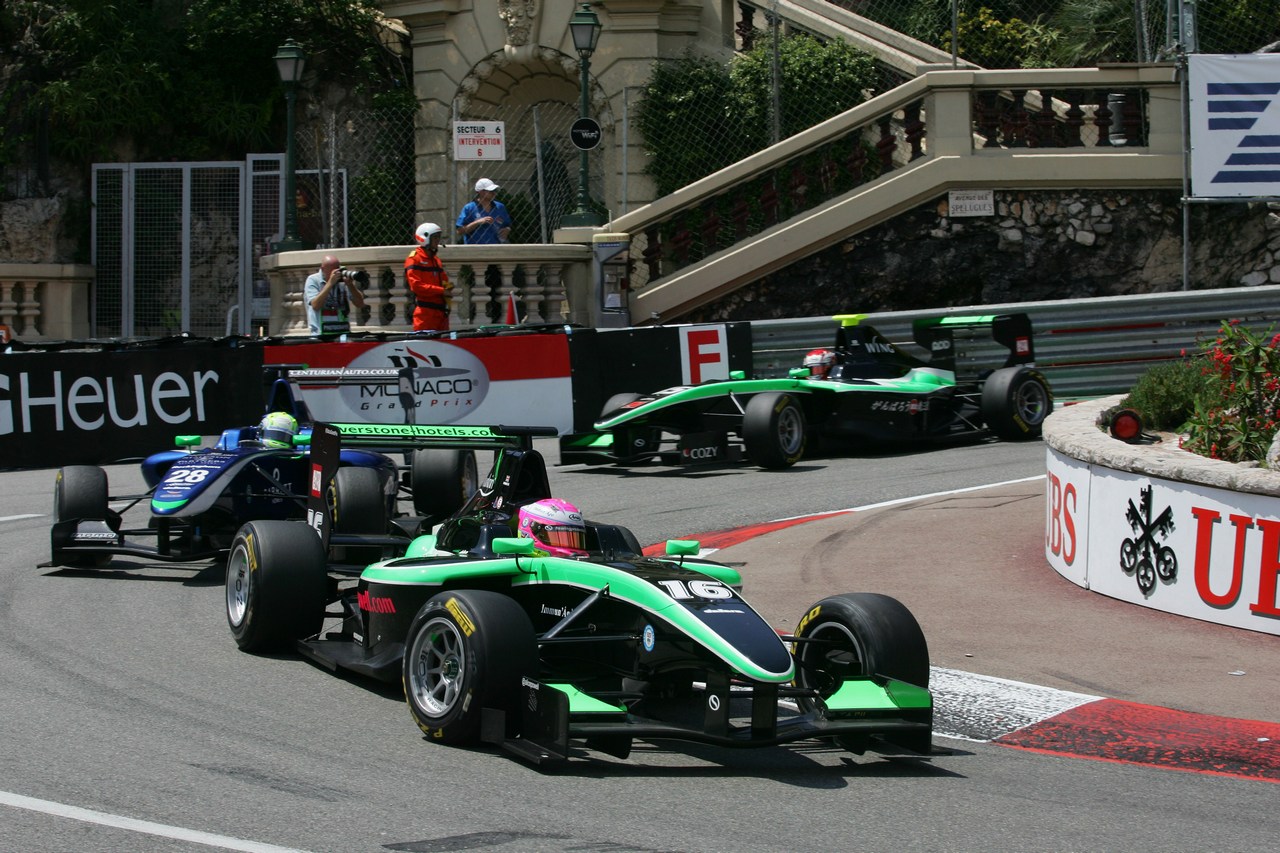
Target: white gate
[175,246]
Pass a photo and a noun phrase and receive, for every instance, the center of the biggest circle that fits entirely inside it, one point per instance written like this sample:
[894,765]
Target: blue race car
[199,497]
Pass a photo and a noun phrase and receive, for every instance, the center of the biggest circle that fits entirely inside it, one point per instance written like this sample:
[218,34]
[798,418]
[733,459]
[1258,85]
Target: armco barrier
[1160,527]
[1086,347]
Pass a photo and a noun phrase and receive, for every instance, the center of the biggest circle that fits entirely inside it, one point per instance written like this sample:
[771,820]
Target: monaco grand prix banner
[61,408]
[1196,551]
[557,378]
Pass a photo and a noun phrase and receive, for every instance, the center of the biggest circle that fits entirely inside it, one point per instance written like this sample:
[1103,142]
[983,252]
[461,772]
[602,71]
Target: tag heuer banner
[1235,125]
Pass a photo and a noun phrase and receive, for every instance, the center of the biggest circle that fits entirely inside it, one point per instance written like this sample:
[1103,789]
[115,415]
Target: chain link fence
[355,184]
[539,177]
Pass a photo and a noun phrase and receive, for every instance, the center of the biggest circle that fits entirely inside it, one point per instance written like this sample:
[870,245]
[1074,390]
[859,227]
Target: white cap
[486,185]
[425,231]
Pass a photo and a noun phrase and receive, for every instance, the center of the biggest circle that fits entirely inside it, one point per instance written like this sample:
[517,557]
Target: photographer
[329,294]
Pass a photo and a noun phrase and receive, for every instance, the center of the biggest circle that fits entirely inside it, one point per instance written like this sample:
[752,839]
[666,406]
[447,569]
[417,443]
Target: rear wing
[327,441]
[974,345]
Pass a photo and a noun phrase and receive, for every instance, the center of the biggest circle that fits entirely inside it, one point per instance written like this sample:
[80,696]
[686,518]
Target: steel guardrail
[1086,347]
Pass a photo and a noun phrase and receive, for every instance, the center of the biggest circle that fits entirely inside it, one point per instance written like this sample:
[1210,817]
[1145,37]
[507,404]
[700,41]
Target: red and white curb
[1057,722]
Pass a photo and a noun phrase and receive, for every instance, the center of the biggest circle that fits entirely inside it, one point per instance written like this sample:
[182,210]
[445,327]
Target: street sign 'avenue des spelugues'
[971,203]
[479,140]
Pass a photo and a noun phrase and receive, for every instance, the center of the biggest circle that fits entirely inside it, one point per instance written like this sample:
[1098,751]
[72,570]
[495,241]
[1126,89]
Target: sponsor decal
[700,454]
[90,403]
[90,536]
[444,380]
[317,479]
[464,621]
[723,610]
[1144,557]
[1022,346]
[941,345]
[713,701]
[251,552]
[375,603]
[649,638]
[910,406]
[807,618]
[559,612]
[1060,532]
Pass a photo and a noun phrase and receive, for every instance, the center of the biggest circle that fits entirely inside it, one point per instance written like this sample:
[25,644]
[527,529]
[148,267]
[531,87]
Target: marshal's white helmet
[425,232]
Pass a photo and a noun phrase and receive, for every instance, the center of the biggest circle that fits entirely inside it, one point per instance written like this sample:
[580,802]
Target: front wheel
[1015,402]
[465,651]
[276,584]
[856,635]
[773,430]
[80,494]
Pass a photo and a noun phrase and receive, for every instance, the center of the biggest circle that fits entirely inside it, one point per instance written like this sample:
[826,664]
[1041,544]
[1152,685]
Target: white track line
[177,833]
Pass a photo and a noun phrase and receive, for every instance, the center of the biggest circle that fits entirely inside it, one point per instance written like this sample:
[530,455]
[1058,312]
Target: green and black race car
[865,388]
[498,636]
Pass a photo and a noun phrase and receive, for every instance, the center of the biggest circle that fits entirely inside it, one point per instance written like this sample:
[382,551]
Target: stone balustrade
[550,284]
[45,301]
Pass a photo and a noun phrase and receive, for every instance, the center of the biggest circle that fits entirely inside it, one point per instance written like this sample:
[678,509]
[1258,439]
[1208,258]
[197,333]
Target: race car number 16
[682,591]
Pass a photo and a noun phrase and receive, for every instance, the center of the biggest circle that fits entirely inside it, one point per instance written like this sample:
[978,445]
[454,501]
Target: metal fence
[1086,348]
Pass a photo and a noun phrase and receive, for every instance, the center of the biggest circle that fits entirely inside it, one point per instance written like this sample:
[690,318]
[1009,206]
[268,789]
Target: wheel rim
[790,430]
[1031,402]
[239,578]
[824,666]
[439,661]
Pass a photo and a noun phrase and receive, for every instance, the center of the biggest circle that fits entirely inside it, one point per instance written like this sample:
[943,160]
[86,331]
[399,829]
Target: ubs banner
[61,408]
[1196,551]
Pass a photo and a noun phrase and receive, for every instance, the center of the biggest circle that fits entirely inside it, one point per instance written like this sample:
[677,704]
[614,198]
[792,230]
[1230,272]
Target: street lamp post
[290,60]
[585,28]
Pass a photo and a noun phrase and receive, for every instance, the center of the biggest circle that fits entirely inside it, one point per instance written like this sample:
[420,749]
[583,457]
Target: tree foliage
[698,115]
[173,79]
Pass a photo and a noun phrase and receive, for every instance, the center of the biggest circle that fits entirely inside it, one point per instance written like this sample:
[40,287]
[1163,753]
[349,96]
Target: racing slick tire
[442,481]
[80,492]
[358,503]
[774,430]
[466,650]
[276,585]
[617,401]
[860,634]
[1015,402]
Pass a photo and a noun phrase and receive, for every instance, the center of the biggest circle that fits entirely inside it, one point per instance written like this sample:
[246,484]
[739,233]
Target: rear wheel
[359,504]
[773,430]
[857,635]
[443,481]
[1015,402]
[466,650]
[276,584]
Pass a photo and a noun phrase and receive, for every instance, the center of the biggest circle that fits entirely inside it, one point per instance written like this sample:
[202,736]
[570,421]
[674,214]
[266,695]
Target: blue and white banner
[1235,125]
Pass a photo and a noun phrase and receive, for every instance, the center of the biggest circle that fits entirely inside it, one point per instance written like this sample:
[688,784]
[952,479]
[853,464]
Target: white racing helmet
[425,232]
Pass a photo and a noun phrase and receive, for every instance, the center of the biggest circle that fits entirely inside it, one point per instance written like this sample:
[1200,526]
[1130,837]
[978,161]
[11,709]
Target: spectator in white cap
[484,220]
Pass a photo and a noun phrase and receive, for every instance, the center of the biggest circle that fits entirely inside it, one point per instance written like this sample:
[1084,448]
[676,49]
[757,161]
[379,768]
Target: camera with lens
[359,277]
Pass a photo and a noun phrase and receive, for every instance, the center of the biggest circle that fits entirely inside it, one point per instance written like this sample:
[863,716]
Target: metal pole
[584,166]
[290,243]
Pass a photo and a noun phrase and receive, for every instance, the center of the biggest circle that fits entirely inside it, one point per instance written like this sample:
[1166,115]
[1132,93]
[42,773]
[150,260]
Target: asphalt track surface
[1091,674]
[132,723]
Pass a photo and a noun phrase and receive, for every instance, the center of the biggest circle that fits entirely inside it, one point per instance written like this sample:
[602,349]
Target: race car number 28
[682,591]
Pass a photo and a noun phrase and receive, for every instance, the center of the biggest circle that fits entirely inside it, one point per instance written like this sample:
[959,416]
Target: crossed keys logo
[1143,556]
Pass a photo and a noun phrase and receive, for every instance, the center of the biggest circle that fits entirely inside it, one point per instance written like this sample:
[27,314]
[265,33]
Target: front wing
[889,716]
